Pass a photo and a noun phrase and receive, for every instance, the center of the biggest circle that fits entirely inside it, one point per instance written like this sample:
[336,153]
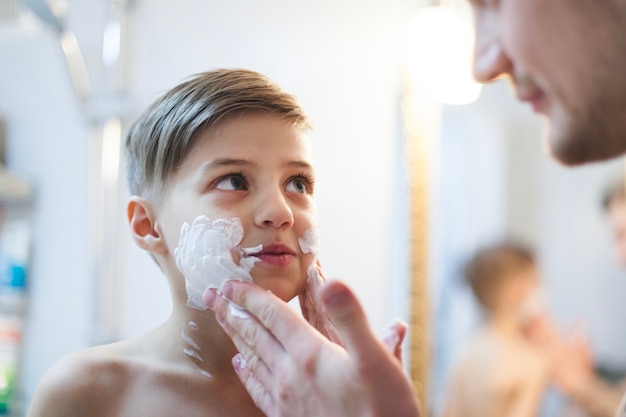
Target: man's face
[567,59]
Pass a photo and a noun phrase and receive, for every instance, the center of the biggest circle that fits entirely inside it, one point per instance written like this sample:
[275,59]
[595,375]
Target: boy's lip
[275,249]
[275,254]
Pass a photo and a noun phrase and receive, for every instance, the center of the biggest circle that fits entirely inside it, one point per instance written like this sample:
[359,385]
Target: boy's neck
[198,339]
[505,324]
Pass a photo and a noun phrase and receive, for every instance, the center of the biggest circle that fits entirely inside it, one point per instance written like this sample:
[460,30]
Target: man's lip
[536,98]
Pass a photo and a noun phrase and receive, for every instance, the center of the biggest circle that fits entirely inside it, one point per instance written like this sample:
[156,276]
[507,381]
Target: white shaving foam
[189,340]
[194,349]
[310,243]
[194,354]
[243,364]
[237,311]
[205,256]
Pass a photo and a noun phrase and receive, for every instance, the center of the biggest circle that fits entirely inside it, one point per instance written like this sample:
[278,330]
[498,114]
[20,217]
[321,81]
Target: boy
[501,373]
[226,148]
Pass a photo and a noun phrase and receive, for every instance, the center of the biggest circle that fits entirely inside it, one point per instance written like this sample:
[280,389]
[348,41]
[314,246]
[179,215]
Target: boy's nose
[273,210]
[490,60]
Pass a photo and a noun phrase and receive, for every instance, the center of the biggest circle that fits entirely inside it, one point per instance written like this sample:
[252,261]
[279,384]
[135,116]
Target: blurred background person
[590,389]
[501,373]
[594,390]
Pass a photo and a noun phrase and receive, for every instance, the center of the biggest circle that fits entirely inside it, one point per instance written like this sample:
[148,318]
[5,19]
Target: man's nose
[490,59]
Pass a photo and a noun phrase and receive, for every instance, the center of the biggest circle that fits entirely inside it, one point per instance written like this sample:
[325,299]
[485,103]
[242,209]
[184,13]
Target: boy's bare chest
[181,398]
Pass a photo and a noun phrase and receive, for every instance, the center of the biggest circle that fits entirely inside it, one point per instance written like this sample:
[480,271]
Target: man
[567,59]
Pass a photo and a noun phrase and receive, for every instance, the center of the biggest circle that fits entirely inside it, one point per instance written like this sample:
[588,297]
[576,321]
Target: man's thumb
[346,313]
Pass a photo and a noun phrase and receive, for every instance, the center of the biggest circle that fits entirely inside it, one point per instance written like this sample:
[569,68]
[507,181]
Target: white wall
[342,59]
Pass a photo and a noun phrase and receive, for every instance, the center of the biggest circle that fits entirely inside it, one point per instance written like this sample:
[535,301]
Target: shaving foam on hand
[205,256]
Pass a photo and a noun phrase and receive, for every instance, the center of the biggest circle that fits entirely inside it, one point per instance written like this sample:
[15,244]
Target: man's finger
[260,393]
[276,316]
[393,336]
[349,318]
[251,339]
[384,373]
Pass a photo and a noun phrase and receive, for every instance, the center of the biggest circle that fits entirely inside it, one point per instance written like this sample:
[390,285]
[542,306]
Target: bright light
[439,53]
[111,44]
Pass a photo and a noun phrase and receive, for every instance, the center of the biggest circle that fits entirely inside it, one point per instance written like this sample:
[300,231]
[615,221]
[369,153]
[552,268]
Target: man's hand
[290,369]
[572,369]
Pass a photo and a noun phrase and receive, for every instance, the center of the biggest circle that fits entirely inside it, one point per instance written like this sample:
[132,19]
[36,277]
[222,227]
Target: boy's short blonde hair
[162,137]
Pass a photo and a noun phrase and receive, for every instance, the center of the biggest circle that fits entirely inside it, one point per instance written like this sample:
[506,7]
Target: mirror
[495,179]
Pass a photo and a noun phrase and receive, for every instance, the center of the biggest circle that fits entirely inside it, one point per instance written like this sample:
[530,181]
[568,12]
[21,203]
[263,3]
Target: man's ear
[143,226]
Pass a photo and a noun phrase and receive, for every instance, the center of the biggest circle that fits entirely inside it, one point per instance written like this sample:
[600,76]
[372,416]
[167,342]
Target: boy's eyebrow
[221,162]
[300,164]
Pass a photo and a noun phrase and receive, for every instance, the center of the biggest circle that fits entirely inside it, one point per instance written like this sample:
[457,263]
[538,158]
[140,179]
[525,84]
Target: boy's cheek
[309,261]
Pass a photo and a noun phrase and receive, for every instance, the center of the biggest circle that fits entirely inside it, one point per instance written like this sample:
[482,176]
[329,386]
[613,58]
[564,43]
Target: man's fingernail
[335,295]
[209,297]
[227,289]
[390,336]
[239,362]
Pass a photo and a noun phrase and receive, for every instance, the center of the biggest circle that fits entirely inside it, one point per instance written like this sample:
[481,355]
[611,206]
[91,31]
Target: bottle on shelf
[16,196]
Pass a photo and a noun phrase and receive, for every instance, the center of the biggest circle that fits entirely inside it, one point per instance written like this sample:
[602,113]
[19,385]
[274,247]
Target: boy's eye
[298,185]
[232,183]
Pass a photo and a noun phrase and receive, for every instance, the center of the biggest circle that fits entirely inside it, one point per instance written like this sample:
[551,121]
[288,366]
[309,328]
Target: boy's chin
[286,291]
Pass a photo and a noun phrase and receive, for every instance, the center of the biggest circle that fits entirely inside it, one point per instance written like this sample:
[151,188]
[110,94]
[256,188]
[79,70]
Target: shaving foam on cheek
[205,256]
[310,301]
[310,243]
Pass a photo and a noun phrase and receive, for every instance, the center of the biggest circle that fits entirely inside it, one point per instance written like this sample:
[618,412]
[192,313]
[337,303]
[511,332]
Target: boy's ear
[143,227]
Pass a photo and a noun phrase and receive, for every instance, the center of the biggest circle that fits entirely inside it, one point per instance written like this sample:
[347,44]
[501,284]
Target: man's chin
[586,138]
[580,147]
[566,156]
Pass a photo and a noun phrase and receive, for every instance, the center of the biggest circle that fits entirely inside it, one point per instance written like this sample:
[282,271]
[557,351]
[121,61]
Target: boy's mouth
[275,254]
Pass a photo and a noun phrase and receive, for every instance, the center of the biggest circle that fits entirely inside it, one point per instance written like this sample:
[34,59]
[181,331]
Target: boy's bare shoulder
[87,382]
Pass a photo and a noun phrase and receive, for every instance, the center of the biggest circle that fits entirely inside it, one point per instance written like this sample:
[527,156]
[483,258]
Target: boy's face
[566,59]
[256,168]
[515,289]
[617,220]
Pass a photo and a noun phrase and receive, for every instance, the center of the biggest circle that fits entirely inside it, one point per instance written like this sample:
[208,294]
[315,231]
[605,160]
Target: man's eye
[232,183]
[298,185]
